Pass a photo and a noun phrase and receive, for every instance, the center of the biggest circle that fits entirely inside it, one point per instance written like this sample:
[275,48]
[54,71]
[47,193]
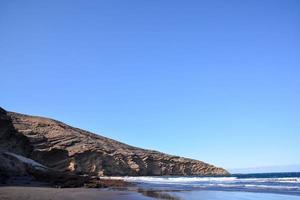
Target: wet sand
[226,195]
[45,193]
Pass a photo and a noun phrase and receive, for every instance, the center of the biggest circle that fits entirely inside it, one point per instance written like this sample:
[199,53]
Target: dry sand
[44,193]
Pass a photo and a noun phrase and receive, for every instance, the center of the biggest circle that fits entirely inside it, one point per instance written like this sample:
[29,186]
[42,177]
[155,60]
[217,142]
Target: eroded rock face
[10,139]
[65,148]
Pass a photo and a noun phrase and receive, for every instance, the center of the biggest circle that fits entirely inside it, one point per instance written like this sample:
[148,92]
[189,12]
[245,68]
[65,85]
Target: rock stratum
[63,148]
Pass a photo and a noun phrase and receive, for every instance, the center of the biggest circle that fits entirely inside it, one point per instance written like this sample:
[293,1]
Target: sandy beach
[45,193]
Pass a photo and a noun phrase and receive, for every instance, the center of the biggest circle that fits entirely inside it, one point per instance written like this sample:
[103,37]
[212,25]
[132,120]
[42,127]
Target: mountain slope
[65,148]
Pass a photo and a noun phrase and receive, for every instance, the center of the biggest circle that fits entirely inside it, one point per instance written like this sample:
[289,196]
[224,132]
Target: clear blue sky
[213,80]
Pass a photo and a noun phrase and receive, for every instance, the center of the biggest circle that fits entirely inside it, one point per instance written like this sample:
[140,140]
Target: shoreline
[49,193]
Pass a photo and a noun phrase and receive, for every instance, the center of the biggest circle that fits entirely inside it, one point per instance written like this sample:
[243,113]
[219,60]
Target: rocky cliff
[64,148]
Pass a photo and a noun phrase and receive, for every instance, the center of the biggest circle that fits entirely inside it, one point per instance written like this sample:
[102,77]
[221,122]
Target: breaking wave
[260,183]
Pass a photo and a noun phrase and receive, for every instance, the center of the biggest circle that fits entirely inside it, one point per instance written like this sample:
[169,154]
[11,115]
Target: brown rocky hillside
[64,148]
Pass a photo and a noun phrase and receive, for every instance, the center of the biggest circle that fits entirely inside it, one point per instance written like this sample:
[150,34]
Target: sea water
[273,186]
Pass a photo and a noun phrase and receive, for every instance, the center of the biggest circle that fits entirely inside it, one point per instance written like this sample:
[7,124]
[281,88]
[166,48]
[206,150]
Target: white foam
[272,187]
[175,180]
[275,180]
[151,179]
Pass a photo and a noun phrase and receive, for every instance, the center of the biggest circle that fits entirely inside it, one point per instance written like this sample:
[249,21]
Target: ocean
[273,186]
